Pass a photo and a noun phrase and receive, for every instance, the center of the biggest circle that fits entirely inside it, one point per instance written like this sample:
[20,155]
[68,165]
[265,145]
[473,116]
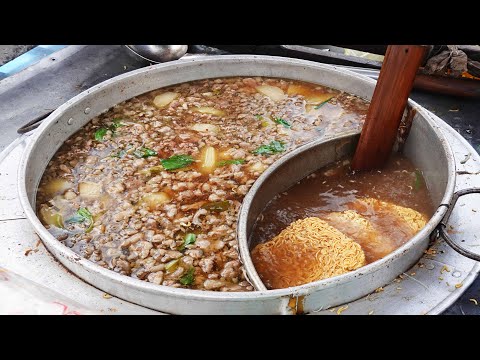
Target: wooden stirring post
[389,99]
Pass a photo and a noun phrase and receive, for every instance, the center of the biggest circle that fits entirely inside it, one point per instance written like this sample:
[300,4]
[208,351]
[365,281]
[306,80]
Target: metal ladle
[158,53]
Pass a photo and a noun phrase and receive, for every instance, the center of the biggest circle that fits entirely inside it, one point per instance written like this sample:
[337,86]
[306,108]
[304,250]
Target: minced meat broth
[152,188]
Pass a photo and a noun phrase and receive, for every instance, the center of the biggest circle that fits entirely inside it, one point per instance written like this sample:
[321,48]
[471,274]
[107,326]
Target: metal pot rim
[200,294]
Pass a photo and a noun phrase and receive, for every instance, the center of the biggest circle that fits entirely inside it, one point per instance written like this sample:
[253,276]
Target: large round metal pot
[426,147]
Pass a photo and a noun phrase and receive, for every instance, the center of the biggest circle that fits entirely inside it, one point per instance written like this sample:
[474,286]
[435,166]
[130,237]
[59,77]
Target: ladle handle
[389,99]
[441,229]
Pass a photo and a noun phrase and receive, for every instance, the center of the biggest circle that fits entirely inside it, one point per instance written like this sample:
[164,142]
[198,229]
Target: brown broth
[335,188]
[142,212]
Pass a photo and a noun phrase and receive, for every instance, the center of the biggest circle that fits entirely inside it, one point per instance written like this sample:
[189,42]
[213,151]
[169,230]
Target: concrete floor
[10,52]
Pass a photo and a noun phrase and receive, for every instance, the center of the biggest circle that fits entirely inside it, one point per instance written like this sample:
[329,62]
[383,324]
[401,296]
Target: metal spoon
[158,53]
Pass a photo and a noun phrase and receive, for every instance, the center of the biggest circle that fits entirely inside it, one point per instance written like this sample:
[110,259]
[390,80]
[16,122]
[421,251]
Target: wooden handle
[389,99]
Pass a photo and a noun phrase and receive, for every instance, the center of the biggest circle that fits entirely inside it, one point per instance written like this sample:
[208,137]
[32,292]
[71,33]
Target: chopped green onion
[82,215]
[171,266]
[322,103]
[231,162]
[144,152]
[188,278]
[116,124]
[282,122]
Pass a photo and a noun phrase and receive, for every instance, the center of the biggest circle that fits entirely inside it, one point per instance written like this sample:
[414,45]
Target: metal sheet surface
[44,86]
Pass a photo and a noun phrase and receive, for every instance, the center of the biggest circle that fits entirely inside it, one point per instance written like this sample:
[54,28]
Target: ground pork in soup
[152,188]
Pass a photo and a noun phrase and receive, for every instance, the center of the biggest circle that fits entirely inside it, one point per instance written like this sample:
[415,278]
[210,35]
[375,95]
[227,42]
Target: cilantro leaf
[274,147]
[282,122]
[189,239]
[100,133]
[176,162]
